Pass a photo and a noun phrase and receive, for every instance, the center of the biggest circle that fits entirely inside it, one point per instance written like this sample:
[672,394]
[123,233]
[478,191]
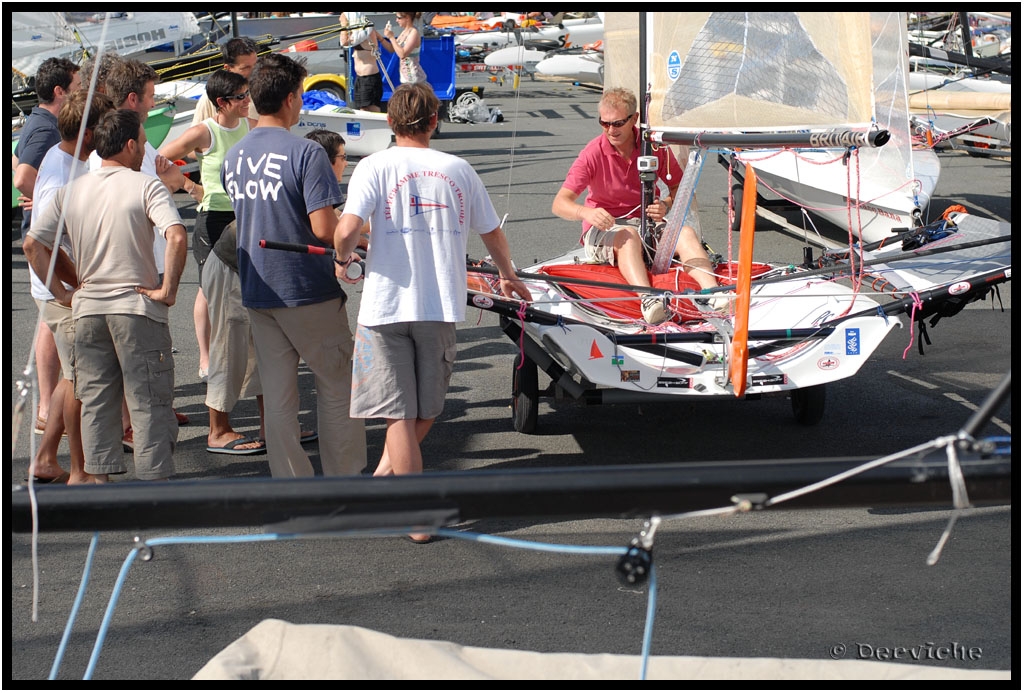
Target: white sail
[790,72]
[37,36]
[760,71]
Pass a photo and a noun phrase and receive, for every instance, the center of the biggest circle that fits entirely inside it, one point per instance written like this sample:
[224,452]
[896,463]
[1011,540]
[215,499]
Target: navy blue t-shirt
[38,135]
[274,180]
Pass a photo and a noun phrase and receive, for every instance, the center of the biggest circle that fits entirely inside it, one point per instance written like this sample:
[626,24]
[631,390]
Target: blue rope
[86,572]
[645,651]
[241,538]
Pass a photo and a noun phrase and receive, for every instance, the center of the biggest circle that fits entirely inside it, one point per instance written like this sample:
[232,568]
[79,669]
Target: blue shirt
[38,135]
[274,180]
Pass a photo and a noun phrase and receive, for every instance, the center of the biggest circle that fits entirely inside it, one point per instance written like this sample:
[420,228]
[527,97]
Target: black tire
[525,396]
[808,404]
[737,205]
[442,117]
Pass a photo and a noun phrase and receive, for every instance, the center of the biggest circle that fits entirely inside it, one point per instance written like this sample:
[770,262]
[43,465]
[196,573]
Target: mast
[648,174]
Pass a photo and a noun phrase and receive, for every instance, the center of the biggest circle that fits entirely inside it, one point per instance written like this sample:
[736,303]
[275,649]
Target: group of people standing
[268,310]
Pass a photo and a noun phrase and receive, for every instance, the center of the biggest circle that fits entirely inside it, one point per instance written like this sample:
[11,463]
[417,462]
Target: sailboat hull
[586,333]
[822,183]
[365,132]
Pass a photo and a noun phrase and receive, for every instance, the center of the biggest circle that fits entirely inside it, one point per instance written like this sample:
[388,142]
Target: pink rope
[917,304]
[521,314]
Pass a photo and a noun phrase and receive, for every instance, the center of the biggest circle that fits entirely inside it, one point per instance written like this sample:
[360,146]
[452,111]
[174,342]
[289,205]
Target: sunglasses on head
[614,123]
[238,97]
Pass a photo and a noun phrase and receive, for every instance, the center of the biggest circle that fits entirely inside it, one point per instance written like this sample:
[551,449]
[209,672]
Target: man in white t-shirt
[422,206]
[58,167]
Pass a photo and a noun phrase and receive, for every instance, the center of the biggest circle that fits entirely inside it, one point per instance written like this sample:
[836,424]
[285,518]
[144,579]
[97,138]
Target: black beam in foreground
[340,503]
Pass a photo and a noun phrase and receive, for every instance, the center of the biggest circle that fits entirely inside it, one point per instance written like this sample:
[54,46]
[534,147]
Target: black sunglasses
[237,97]
[615,123]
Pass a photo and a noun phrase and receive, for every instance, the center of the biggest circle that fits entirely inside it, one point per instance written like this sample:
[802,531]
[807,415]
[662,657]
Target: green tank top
[215,198]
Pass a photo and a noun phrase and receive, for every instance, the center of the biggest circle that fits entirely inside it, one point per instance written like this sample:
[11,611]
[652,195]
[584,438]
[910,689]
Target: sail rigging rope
[27,386]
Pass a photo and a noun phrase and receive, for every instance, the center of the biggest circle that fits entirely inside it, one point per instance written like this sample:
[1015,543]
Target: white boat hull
[514,56]
[699,369]
[579,67]
[823,189]
[574,32]
[365,132]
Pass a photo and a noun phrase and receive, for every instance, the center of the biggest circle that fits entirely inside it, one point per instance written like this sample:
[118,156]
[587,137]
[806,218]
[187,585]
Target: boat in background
[961,75]
[584,65]
[37,36]
[570,32]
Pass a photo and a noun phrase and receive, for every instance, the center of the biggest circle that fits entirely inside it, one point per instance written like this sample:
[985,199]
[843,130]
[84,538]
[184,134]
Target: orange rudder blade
[738,353]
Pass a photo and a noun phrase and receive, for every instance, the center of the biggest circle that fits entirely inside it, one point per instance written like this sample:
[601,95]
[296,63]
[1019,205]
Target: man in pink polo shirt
[607,169]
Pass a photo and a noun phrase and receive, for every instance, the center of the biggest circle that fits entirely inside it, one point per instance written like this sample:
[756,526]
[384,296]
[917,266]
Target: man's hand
[350,271]
[169,173]
[598,217]
[657,210]
[161,295]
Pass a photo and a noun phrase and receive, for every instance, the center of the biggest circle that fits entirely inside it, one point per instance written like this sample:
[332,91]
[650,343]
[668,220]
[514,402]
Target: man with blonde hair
[607,169]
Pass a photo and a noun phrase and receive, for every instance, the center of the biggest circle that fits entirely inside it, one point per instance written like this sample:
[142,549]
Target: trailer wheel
[737,205]
[525,396]
[442,116]
[808,404]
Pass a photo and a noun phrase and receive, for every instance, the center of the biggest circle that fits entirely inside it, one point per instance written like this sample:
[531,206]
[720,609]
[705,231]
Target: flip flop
[231,448]
[308,437]
[62,479]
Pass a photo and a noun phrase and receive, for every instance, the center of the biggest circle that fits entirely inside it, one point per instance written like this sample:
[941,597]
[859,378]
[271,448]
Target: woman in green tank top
[211,140]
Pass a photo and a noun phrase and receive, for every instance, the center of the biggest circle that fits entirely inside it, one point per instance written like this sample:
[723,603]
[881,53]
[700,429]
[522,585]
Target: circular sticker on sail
[482,302]
[828,363]
[674,65]
[959,288]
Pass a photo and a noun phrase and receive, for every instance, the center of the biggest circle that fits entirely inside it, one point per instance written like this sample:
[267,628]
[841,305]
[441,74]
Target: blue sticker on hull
[853,341]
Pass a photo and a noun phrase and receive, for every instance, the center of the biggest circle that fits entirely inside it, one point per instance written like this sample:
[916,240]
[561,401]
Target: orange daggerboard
[738,353]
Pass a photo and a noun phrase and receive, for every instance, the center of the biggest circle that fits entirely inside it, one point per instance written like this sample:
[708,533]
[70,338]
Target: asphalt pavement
[787,583]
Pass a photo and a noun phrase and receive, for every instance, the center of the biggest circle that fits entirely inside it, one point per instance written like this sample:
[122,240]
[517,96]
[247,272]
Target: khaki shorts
[599,246]
[402,370]
[58,318]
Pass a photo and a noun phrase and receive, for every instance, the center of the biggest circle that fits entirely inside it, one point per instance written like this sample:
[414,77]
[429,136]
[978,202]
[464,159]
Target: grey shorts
[58,318]
[402,370]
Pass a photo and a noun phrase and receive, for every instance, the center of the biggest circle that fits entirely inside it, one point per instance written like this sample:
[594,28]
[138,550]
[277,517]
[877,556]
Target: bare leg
[73,425]
[695,259]
[385,467]
[47,369]
[45,464]
[126,417]
[629,256]
[221,432]
[402,451]
[201,318]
